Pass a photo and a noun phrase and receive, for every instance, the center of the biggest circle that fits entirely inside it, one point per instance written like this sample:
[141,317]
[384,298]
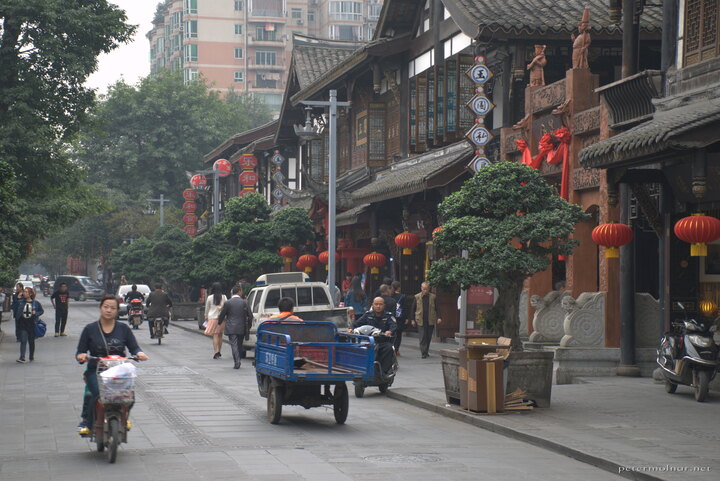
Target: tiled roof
[674,117]
[312,58]
[411,175]
[545,16]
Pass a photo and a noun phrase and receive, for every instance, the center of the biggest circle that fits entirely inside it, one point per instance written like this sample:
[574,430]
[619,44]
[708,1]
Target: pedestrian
[158,304]
[346,283]
[61,302]
[213,306]
[356,297]
[400,314]
[30,312]
[425,315]
[123,280]
[17,296]
[386,281]
[386,292]
[239,319]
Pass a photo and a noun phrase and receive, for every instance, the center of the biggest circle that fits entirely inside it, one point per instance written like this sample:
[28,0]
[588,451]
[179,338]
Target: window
[304,296]
[290,292]
[238,5]
[238,29]
[701,30]
[296,13]
[265,81]
[190,75]
[345,32]
[263,57]
[191,27]
[238,76]
[238,52]
[319,296]
[262,33]
[374,11]
[272,298]
[251,298]
[256,302]
[311,16]
[191,53]
[175,20]
[190,6]
[345,10]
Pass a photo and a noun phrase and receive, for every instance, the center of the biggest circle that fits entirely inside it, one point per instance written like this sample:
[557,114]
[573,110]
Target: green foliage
[10,256]
[292,216]
[511,222]
[133,261]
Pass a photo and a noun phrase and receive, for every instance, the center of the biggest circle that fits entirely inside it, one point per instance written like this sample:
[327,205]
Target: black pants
[27,338]
[236,345]
[426,331]
[151,323]
[399,333]
[384,353]
[60,320]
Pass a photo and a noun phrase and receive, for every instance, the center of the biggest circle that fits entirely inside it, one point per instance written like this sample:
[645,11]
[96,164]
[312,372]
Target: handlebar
[90,357]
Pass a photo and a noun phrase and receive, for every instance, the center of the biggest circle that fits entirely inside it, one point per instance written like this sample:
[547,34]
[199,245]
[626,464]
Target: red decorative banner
[562,154]
[526,155]
[545,147]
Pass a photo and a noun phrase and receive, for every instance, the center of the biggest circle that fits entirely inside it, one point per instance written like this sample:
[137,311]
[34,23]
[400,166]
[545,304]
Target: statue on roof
[581,43]
[537,67]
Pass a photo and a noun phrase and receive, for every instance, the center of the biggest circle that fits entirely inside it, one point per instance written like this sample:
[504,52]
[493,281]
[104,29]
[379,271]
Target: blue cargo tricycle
[298,362]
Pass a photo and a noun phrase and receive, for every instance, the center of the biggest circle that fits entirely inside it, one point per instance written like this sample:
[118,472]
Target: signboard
[481,106]
[478,163]
[248,177]
[247,161]
[190,230]
[479,73]
[189,218]
[479,136]
[189,194]
[482,295]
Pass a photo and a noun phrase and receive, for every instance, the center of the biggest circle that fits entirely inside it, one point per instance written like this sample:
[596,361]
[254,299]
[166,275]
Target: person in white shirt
[213,306]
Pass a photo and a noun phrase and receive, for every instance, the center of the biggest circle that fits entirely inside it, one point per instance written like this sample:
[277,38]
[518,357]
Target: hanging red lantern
[247,161]
[222,167]
[408,241]
[436,230]
[190,218]
[374,260]
[189,206]
[189,194]
[324,258]
[307,262]
[612,236]
[288,252]
[248,178]
[198,181]
[190,230]
[698,230]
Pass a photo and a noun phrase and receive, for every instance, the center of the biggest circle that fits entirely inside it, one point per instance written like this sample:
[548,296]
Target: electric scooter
[383,380]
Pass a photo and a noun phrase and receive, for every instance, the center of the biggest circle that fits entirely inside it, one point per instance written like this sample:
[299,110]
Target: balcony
[264,15]
[266,42]
[629,100]
[277,66]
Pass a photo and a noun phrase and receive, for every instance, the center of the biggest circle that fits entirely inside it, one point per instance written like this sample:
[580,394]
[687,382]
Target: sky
[128,61]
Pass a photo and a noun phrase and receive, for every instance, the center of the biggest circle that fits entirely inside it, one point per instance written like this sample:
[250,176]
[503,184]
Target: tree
[9,248]
[47,50]
[133,261]
[169,259]
[512,223]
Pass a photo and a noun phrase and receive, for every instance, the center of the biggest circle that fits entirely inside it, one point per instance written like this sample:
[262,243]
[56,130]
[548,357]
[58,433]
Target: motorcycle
[382,380]
[135,313]
[158,328]
[117,395]
[689,355]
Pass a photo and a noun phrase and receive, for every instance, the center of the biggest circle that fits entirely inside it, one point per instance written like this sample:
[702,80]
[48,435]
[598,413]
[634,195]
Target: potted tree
[511,223]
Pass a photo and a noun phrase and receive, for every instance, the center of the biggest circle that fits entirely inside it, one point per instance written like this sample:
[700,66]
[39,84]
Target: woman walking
[356,297]
[17,296]
[30,311]
[213,306]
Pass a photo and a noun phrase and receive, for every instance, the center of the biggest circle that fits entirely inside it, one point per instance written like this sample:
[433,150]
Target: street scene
[359,239]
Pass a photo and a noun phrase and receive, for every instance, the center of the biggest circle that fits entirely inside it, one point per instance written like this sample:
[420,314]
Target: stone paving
[198,419]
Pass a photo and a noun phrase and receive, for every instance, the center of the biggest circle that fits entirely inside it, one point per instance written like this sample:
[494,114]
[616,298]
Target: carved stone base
[549,317]
[584,323]
[523,312]
[575,362]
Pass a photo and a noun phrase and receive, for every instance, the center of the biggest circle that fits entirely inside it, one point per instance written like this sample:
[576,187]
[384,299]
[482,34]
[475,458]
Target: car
[81,288]
[143,289]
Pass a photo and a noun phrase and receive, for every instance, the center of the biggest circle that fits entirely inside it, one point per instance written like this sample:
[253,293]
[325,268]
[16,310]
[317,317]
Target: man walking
[61,302]
[238,315]
[425,314]
[158,304]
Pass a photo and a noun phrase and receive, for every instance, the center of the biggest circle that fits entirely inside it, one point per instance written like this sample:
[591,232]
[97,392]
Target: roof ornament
[537,67]
[581,42]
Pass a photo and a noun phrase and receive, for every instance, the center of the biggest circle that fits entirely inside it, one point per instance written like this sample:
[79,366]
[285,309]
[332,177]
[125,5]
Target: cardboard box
[486,389]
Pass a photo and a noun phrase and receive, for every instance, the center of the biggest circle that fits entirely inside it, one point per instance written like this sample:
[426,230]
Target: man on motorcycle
[134,294]
[385,321]
[159,304]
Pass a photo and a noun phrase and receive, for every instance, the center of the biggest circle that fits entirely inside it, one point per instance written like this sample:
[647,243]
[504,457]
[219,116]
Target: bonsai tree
[511,222]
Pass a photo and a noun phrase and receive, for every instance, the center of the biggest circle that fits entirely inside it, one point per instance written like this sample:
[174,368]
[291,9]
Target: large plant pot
[184,310]
[531,371]
[450,363]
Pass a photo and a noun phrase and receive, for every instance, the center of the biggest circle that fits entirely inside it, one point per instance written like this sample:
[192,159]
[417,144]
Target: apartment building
[245,45]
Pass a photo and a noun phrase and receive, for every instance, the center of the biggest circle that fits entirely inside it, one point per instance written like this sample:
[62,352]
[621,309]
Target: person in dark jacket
[159,304]
[381,319]
[425,314]
[29,311]
[400,314]
[386,293]
[237,312]
[18,295]
[61,302]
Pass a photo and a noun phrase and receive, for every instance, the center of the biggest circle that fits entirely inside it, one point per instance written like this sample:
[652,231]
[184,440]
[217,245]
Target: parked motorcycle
[135,313]
[117,395]
[689,355]
[382,380]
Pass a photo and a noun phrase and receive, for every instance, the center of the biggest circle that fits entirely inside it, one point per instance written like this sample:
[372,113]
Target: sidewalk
[615,423]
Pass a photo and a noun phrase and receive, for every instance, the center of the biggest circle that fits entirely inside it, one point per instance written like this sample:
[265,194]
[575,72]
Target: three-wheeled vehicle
[298,362]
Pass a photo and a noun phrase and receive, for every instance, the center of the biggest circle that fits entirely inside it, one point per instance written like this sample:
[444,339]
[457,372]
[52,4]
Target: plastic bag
[126,369]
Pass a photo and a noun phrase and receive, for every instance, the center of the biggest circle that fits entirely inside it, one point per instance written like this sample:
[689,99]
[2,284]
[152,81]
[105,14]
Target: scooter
[158,328]
[689,355]
[135,313]
[117,395]
[382,380]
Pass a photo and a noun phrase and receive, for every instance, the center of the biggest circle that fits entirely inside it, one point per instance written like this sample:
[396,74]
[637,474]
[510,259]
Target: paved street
[197,418]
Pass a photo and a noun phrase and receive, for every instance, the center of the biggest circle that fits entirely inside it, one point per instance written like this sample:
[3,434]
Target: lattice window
[466,118]
[709,19]
[440,102]
[701,30]
[316,163]
[451,96]
[430,105]
[376,132]
[413,111]
[421,112]
[692,25]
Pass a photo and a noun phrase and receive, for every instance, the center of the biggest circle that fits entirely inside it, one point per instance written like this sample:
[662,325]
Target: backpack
[40,328]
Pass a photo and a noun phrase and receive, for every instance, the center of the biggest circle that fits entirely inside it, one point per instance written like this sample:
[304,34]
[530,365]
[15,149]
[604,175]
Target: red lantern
[189,206]
[374,260]
[288,252]
[198,181]
[248,178]
[190,230]
[222,167]
[307,262]
[247,161]
[436,230]
[612,236]
[189,194]
[698,230]
[324,258]
[189,218]
[408,241]
[246,191]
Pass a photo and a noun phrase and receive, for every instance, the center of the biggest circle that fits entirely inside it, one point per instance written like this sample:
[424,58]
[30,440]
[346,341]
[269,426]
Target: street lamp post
[162,200]
[333,104]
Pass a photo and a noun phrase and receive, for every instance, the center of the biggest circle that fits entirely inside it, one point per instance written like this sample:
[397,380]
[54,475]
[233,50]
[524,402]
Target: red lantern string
[526,155]
[545,146]
[562,153]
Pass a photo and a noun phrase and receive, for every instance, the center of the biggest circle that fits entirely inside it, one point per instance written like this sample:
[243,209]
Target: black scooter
[689,355]
[382,380]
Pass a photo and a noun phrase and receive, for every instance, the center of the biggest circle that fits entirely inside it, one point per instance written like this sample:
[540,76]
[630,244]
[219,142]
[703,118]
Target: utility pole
[162,200]
[332,181]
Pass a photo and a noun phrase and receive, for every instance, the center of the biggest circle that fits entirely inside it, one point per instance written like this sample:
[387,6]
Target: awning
[352,216]
[681,122]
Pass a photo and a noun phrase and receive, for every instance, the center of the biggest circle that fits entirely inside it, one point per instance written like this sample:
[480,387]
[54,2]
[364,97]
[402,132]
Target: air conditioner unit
[299,22]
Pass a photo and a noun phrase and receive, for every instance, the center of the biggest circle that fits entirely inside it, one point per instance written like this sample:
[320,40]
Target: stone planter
[532,372]
[450,364]
[184,310]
